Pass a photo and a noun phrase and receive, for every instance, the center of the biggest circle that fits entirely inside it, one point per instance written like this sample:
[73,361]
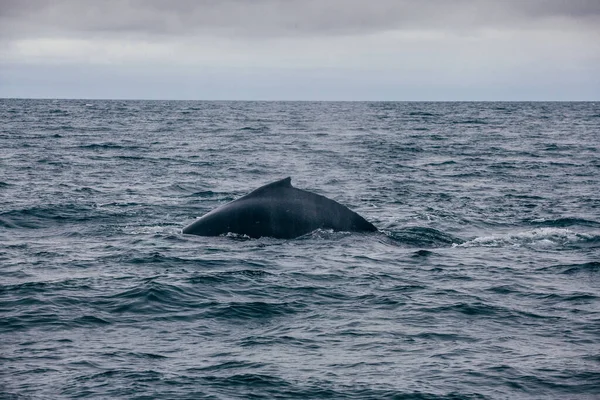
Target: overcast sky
[301,49]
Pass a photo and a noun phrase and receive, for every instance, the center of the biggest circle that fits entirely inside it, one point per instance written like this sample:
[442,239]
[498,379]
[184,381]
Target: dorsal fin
[280,184]
[285,182]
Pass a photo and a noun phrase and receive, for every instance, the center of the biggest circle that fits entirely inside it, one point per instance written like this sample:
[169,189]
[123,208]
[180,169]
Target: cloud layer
[274,18]
[330,49]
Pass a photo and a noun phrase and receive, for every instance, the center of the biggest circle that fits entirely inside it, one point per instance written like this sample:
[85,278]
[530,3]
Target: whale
[281,211]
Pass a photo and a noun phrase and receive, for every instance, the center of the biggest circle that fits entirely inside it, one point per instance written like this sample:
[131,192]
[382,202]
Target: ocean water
[483,282]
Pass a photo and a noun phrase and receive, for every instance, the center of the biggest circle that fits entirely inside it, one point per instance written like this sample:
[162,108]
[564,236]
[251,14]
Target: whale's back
[279,210]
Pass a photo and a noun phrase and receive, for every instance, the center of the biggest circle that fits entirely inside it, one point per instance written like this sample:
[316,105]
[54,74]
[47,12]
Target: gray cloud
[329,49]
[274,18]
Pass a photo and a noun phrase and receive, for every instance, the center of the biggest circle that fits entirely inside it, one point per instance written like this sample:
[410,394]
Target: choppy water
[484,283]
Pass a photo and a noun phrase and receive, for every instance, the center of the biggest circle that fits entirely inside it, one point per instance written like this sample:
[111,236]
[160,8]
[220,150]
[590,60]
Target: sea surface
[483,282]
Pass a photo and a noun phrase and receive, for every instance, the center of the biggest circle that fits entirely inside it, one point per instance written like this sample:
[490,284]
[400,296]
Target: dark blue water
[484,282]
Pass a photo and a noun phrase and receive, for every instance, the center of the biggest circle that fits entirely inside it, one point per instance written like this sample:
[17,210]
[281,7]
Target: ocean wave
[472,122]
[543,238]
[592,267]
[7,222]
[107,146]
[236,310]
[421,114]
[423,237]
[255,128]
[207,194]
[153,298]
[564,222]
[227,277]
[39,216]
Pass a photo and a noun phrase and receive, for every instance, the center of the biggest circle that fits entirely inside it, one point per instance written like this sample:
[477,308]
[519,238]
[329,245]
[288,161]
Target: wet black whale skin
[279,210]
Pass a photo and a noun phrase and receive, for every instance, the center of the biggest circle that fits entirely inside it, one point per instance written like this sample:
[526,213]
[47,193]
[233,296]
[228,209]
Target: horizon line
[298,100]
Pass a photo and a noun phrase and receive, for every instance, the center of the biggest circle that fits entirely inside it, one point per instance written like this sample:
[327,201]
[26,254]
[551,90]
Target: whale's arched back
[279,210]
